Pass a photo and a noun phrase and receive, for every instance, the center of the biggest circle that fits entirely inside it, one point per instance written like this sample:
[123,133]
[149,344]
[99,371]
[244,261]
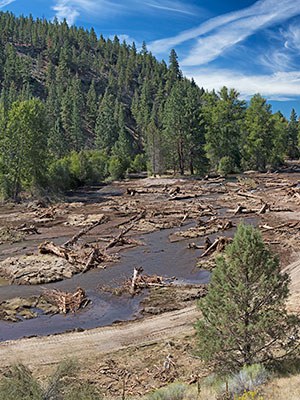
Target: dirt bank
[35,352]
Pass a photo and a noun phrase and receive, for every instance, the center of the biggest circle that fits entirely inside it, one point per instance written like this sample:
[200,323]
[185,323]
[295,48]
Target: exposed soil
[189,219]
[185,222]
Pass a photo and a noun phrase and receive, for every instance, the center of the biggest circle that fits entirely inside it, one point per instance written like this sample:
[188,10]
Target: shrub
[78,169]
[250,396]
[117,168]
[248,379]
[175,391]
[139,164]
[19,384]
[226,166]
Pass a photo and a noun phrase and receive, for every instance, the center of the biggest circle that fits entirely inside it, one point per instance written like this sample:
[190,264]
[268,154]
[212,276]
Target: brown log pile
[83,258]
[65,301]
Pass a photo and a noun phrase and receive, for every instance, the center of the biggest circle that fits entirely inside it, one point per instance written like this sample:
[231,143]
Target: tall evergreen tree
[106,125]
[175,127]
[244,314]
[259,127]
[91,106]
[224,118]
[292,136]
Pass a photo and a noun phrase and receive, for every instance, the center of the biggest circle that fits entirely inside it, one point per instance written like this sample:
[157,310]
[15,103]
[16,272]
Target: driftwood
[286,225]
[51,248]
[218,245]
[66,302]
[31,230]
[83,231]
[207,244]
[264,208]
[194,246]
[174,191]
[184,197]
[119,238]
[249,195]
[80,256]
[131,192]
[184,219]
[136,274]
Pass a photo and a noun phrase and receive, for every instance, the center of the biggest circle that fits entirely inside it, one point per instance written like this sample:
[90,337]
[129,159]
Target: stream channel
[158,256]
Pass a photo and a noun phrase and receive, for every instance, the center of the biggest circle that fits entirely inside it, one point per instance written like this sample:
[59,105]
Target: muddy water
[157,256]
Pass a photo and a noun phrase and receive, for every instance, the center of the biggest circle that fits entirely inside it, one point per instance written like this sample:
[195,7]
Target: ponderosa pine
[245,320]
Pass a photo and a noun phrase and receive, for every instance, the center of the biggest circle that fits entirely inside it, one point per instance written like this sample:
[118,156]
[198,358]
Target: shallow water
[158,256]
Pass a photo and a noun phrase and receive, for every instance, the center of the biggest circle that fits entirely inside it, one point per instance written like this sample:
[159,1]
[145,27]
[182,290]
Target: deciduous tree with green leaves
[23,148]
[245,320]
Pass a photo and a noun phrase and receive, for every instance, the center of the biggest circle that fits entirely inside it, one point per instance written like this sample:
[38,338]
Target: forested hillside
[76,108]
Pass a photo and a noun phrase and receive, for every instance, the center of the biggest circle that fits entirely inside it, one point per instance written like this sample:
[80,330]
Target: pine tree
[223,115]
[106,125]
[176,127]
[195,129]
[91,106]
[174,70]
[292,137]
[279,139]
[244,314]
[259,127]
[76,134]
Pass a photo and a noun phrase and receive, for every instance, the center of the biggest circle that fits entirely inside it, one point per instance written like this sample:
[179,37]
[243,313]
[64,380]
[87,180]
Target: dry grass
[283,388]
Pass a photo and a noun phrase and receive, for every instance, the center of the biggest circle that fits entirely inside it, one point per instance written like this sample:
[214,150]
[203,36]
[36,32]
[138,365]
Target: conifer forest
[76,109]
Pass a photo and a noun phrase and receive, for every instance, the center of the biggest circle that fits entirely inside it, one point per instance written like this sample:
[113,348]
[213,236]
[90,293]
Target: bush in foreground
[19,384]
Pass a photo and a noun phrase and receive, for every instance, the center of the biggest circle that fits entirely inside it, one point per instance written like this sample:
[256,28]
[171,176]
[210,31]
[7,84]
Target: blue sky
[253,46]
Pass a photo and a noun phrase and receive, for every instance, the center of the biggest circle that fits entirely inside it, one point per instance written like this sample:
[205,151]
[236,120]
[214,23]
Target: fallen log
[131,192]
[119,238]
[31,230]
[280,209]
[218,245]
[194,246]
[174,191]
[184,197]
[77,258]
[184,219]
[211,248]
[264,208]
[51,248]
[84,231]
[249,195]
[238,210]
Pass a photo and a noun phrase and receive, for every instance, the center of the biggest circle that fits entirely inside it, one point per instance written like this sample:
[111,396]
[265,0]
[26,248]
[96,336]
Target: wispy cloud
[71,9]
[221,33]
[4,3]
[277,86]
[172,6]
[276,59]
[292,38]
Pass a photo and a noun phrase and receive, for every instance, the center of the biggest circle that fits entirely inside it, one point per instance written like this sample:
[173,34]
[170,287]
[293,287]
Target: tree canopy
[83,81]
[244,314]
